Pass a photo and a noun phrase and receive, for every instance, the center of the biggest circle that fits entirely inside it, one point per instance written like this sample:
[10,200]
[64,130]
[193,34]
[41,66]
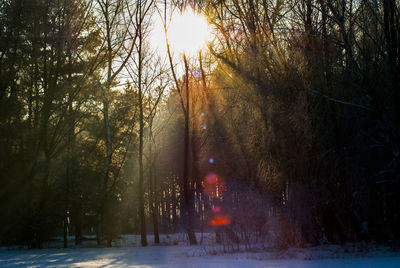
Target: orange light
[219,221]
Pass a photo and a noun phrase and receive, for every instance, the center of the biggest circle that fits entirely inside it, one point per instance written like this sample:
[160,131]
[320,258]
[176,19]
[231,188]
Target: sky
[187,32]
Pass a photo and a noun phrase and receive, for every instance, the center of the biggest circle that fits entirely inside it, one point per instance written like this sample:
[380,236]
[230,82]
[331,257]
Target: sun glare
[188,32]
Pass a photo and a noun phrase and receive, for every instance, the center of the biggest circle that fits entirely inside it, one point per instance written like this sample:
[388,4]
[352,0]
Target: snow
[167,256]
[174,252]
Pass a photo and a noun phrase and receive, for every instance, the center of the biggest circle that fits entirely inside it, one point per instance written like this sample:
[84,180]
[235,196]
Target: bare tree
[116,19]
[139,72]
[184,97]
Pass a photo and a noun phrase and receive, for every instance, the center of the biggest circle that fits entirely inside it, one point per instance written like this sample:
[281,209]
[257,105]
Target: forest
[283,128]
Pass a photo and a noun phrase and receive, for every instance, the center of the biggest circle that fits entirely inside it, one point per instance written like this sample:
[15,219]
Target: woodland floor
[173,252]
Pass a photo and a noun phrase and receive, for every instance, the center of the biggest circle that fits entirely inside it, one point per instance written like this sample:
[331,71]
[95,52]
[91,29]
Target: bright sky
[188,32]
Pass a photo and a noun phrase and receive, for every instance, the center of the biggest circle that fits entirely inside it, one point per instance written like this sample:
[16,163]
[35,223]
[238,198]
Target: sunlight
[188,32]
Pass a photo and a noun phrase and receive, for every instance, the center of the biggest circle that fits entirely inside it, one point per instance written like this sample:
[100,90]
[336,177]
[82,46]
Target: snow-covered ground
[174,253]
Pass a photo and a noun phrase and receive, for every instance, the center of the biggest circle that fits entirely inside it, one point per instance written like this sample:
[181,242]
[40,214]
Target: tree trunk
[42,217]
[155,214]
[65,226]
[142,215]
[152,187]
[107,163]
[78,222]
[187,193]
[66,206]
[108,141]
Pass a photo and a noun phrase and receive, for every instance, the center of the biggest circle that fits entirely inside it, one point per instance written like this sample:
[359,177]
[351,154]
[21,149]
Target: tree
[56,51]
[188,209]
[119,45]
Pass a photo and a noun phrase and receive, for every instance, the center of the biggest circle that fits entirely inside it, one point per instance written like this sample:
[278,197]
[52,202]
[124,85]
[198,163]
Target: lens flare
[219,220]
[197,73]
[213,185]
[211,178]
[211,160]
[205,127]
[202,114]
[216,209]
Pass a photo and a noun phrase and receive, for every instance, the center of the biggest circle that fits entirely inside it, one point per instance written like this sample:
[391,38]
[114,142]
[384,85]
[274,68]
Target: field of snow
[174,253]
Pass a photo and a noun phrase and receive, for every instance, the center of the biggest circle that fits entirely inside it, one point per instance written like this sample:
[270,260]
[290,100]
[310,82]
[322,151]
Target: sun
[188,32]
